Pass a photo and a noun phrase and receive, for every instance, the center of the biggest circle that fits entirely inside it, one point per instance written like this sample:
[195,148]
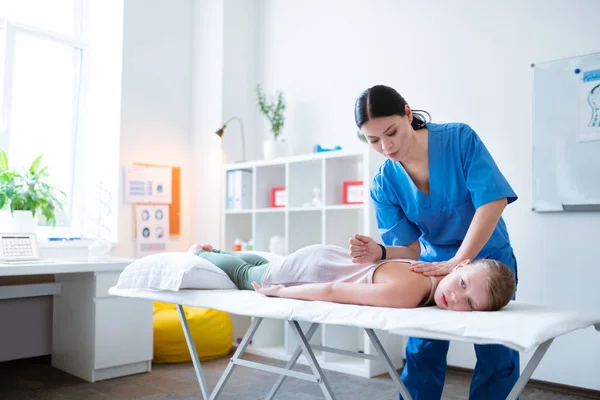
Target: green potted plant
[273,109]
[25,194]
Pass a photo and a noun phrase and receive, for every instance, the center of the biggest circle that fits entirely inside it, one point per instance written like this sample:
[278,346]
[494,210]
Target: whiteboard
[566,134]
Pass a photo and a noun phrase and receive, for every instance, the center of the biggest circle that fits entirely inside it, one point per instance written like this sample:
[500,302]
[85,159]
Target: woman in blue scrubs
[441,195]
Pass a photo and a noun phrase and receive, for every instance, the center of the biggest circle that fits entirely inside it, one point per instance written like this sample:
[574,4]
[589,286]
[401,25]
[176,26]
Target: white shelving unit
[302,224]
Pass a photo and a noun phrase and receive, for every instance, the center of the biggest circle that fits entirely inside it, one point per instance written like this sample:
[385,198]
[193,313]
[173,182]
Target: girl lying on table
[327,273]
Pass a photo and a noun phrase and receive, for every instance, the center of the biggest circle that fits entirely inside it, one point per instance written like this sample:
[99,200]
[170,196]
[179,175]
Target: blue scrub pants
[496,371]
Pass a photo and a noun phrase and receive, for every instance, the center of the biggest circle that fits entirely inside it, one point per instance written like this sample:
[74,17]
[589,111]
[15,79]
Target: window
[42,84]
[60,97]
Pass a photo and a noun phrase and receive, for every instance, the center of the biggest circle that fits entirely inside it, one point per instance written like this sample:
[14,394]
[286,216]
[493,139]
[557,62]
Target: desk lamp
[221,131]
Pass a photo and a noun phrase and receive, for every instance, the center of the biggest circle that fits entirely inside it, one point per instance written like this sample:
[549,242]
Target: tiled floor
[35,379]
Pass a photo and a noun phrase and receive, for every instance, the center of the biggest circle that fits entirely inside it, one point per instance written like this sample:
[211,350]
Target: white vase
[22,222]
[274,149]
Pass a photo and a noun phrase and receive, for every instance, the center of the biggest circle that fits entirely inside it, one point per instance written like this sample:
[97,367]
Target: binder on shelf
[239,189]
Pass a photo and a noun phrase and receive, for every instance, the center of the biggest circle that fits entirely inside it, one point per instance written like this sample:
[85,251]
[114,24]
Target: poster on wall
[152,228]
[588,128]
[145,184]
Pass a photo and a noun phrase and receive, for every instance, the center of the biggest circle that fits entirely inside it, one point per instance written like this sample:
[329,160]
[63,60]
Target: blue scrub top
[462,177]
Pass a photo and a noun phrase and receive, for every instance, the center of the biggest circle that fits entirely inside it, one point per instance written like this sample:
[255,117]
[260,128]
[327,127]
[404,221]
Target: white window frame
[84,138]
[12,29]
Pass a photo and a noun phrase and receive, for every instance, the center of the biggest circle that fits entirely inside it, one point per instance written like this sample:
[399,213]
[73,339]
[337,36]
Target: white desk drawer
[124,332]
[104,281]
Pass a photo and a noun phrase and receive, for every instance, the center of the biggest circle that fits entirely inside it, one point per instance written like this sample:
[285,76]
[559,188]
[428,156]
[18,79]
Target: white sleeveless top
[325,263]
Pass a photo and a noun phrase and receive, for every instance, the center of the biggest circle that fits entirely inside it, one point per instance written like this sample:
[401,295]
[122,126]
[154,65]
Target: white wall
[241,55]
[463,61]
[225,65]
[156,118]
[225,59]
[207,117]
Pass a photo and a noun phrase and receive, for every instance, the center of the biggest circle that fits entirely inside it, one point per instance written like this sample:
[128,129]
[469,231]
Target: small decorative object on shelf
[320,149]
[237,245]
[277,245]
[243,245]
[274,111]
[316,200]
[353,192]
[248,246]
[278,197]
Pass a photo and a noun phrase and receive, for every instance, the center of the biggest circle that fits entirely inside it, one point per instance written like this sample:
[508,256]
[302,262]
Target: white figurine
[316,200]
[277,245]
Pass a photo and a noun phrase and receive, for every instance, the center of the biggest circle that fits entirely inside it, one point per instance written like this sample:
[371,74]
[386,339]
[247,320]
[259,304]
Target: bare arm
[410,252]
[482,225]
[391,294]
[364,249]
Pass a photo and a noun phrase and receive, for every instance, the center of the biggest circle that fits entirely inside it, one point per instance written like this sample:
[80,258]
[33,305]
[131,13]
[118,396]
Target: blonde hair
[501,283]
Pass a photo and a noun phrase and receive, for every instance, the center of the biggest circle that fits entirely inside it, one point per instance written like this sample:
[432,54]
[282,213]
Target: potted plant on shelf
[25,194]
[274,111]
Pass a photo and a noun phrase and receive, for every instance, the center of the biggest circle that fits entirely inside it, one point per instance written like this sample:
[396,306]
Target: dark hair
[384,101]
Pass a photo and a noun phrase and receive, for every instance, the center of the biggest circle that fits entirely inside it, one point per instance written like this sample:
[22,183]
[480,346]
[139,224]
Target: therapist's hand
[364,249]
[435,268]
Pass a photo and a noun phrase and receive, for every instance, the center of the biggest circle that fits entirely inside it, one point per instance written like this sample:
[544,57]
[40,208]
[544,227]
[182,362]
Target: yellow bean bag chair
[212,333]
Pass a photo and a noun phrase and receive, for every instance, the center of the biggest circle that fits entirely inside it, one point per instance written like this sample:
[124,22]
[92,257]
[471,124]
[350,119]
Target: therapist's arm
[410,252]
[364,249]
[483,224]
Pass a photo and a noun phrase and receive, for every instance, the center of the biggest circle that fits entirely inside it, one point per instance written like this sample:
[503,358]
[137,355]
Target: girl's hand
[271,291]
[364,249]
[435,268]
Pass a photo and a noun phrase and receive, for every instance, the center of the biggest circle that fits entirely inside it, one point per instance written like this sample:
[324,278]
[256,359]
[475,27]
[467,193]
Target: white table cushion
[519,326]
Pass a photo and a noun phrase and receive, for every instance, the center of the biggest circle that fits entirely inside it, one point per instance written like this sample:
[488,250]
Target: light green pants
[242,268]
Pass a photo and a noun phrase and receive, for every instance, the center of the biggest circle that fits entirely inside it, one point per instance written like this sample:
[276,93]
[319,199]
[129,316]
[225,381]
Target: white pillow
[173,271]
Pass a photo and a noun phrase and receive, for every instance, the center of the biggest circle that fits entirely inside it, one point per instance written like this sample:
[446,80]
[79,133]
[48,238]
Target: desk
[95,336]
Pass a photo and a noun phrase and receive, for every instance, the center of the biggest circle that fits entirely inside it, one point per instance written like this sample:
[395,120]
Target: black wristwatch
[383,252]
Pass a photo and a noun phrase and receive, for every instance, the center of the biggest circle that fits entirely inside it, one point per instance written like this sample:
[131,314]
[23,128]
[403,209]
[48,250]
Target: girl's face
[465,289]
[390,136]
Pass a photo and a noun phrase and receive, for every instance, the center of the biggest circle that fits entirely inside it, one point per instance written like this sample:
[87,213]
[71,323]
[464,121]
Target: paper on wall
[152,228]
[588,121]
[145,184]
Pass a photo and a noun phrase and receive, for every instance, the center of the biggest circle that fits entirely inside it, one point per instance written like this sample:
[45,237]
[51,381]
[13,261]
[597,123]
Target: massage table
[520,326]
